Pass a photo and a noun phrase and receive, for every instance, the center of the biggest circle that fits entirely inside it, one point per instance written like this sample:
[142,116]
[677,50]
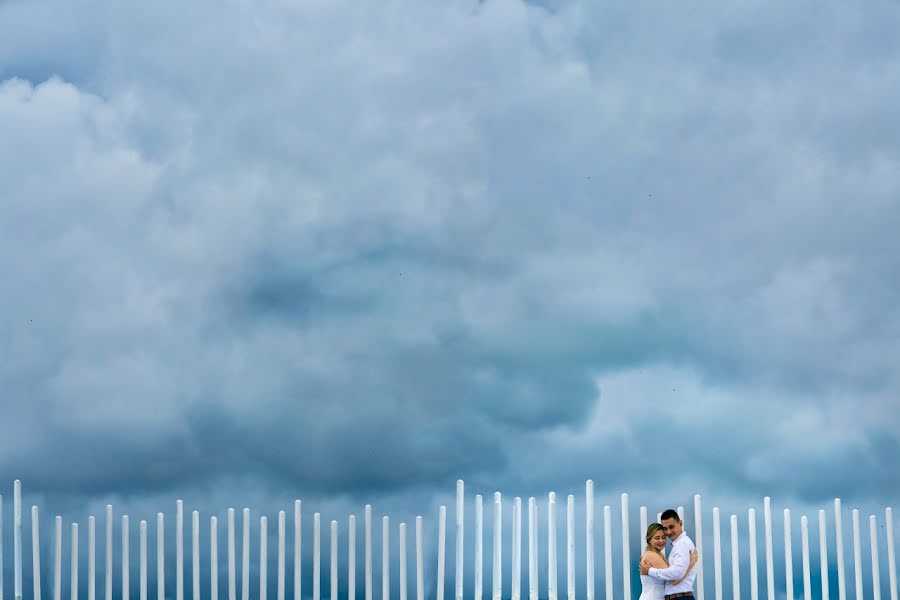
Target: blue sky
[360,251]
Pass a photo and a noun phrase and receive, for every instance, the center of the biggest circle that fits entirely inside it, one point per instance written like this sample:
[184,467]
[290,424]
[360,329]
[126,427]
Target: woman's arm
[694,555]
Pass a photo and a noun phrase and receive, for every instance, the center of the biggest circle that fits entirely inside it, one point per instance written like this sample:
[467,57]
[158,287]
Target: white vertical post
[735,561]
[517,550]
[607,550]
[644,523]
[245,554]
[282,530]
[126,569]
[754,580]
[479,547]
[892,561]
[717,552]
[143,558]
[179,550]
[788,558]
[551,546]
[873,545]
[570,547]
[232,575]
[698,541]
[108,574]
[626,552]
[532,550]
[214,558]
[195,554]
[420,561]
[298,534]
[351,557]
[403,576]
[442,543]
[36,552]
[74,566]
[857,555]
[589,538]
[680,511]
[92,558]
[160,558]
[770,561]
[17,540]
[334,560]
[263,557]
[804,543]
[317,560]
[368,550]
[823,554]
[385,558]
[839,549]
[57,560]
[497,572]
[460,509]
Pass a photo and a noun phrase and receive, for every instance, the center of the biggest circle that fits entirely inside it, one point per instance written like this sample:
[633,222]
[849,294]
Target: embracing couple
[663,579]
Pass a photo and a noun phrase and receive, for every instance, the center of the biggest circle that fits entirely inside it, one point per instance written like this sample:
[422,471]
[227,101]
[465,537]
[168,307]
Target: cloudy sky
[351,252]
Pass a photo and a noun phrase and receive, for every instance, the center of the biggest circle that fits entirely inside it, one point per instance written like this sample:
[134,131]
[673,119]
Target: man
[679,560]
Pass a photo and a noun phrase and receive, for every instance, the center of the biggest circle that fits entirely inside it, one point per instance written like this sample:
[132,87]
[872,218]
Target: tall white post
[195,554]
[334,560]
[213,558]
[57,560]
[17,540]
[770,561]
[497,572]
[788,558]
[385,558]
[532,550]
[551,546]
[126,569]
[460,537]
[517,550]
[108,574]
[754,575]
[351,557]
[698,542]
[589,538]
[179,550]
[317,560]
[892,562]
[804,543]
[35,552]
[420,560]
[626,552]
[263,557]
[232,563]
[607,550]
[857,555]
[245,555]
[160,558]
[74,566]
[368,550]
[282,531]
[839,549]
[442,543]
[570,547]
[143,558]
[298,534]
[873,544]
[403,576]
[479,547]
[717,552]
[823,554]
[735,561]
[92,558]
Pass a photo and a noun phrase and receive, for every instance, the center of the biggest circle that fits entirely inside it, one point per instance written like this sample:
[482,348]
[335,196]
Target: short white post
[160,557]
[126,584]
[420,560]
[334,560]
[460,537]
[74,565]
[892,561]
[179,550]
[351,557]
[607,550]
[57,560]
[195,554]
[570,547]
[517,550]
[698,542]
[497,573]
[532,550]
[644,522]
[367,532]
[317,559]
[823,554]
[735,561]
[857,555]
[108,574]
[36,552]
[873,545]
[839,549]
[282,531]
[245,554]
[385,558]
[754,582]
[92,558]
[680,511]
[551,546]
[442,543]
[298,535]
[479,547]
[788,557]
[770,561]
[142,532]
[717,552]
[403,576]
[626,552]
[213,558]
[263,557]
[589,538]
[17,539]
[804,543]
[232,563]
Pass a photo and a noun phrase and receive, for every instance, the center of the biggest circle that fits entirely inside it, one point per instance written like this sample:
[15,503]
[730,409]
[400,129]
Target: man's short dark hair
[670,514]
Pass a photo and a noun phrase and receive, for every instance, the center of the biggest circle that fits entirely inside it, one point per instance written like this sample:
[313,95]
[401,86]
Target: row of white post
[629,561]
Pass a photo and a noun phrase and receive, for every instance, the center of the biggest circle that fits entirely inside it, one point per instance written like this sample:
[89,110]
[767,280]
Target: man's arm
[678,566]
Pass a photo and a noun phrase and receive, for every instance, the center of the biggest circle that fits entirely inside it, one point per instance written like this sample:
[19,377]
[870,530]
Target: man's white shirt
[679,561]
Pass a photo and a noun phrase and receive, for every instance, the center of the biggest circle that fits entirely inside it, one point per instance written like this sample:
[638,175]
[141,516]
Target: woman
[653,589]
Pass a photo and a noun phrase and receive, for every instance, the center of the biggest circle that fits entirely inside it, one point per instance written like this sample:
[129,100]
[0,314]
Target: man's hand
[644,566]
